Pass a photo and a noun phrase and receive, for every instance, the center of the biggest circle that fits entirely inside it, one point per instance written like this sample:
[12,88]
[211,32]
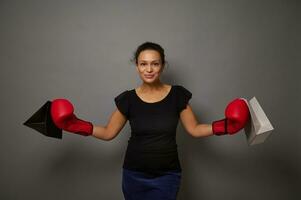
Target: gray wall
[81,50]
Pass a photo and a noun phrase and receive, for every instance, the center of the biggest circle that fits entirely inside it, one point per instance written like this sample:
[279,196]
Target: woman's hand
[61,111]
[237,115]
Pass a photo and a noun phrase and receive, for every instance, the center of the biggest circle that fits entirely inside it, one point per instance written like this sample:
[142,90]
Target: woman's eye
[142,64]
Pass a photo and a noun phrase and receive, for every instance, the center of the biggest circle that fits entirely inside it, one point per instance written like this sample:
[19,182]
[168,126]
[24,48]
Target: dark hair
[149,46]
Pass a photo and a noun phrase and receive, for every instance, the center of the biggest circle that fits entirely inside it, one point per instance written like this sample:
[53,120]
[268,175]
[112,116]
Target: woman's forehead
[149,55]
[150,60]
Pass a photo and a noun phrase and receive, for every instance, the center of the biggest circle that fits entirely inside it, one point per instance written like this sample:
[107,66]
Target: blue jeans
[150,186]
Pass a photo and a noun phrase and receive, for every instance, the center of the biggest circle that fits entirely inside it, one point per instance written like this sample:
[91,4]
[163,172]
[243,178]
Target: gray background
[81,50]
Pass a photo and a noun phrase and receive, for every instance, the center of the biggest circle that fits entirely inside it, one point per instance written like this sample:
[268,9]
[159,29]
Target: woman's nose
[149,68]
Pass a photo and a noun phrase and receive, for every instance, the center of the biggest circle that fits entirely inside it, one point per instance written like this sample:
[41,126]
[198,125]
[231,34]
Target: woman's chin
[149,81]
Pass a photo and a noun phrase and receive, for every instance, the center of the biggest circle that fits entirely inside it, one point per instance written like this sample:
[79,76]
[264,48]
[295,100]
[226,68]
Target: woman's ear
[162,69]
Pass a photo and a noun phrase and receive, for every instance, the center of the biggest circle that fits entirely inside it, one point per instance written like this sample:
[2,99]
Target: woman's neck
[146,87]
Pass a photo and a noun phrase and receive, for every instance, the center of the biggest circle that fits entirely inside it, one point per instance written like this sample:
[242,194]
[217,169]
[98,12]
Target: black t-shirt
[152,145]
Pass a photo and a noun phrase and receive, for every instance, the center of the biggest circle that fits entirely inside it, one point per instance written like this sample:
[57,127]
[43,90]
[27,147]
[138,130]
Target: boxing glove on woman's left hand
[237,115]
[61,111]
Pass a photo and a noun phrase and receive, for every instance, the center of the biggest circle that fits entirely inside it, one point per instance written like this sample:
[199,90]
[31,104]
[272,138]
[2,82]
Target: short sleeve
[122,103]
[184,95]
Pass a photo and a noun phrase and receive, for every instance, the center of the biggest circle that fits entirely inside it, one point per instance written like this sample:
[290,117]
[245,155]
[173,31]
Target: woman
[151,168]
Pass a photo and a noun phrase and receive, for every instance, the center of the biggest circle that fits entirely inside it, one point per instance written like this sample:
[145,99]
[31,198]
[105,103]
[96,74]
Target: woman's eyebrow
[151,61]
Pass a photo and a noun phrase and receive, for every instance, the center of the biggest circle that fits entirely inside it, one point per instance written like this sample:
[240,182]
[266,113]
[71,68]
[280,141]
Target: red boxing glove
[61,112]
[237,115]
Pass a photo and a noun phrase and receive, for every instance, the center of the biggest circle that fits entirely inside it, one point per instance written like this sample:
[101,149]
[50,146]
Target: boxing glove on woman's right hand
[61,112]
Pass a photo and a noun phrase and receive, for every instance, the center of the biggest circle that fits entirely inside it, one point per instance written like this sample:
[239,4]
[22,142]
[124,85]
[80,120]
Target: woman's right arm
[111,130]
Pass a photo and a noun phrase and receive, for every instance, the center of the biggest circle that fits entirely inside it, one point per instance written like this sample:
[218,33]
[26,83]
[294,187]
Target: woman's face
[149,66]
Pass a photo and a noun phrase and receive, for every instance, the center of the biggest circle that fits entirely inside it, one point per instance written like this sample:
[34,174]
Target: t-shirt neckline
[169,93]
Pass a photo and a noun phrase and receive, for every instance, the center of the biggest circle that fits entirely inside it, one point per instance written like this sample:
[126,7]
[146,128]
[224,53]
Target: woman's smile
[149,76]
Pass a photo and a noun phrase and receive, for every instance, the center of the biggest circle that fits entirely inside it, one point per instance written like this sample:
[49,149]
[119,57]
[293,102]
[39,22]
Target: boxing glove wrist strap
[82,127]
[219,127]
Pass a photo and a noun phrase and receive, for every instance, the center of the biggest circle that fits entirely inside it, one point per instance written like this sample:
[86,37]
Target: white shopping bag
[259,127]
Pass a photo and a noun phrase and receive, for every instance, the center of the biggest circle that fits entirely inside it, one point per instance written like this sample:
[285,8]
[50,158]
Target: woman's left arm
[192,126]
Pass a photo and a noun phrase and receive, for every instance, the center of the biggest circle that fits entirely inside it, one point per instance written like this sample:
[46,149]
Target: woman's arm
[111,130]
[237,115]
[192,126]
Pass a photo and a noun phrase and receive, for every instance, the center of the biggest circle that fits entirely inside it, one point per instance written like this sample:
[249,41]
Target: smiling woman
[150,61]
[151,167]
